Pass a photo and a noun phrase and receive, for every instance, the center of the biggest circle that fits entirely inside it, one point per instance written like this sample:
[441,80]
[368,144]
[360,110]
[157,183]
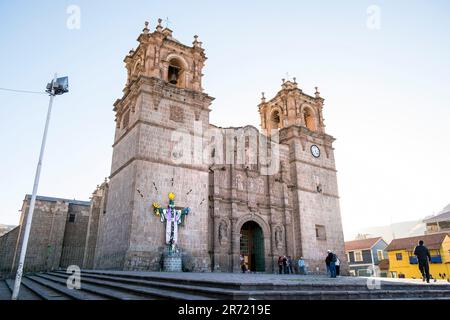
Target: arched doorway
[252,246]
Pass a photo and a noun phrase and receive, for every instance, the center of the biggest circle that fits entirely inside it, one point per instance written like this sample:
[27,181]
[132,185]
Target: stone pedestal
[172,262]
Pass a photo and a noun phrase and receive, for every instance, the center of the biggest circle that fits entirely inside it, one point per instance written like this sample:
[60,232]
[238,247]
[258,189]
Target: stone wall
[316,197]
[242,192]
[8,244]
[97,210]
[46,234]
[74,243]
[49,239]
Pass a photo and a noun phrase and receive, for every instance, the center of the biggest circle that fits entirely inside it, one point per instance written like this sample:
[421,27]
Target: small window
[358,256]
[71,217]
[308,118]
[399,256]
[380,255]
[275,119]
[320,232]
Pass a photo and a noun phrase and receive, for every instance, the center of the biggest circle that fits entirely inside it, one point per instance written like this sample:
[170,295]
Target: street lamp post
[58,86]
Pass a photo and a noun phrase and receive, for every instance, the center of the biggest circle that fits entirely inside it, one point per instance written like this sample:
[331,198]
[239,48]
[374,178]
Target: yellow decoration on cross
[156,205]
[171,196]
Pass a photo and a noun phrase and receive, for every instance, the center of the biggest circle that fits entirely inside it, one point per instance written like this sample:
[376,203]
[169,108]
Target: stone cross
[167,21]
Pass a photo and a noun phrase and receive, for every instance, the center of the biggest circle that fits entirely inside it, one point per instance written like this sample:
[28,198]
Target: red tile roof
[361,244]
[431,241]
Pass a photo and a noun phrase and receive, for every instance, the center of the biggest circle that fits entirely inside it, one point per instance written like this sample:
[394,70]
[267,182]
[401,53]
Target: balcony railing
[413,260]
[434,259]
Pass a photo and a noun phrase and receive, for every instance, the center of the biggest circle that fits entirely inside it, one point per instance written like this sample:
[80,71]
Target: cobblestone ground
[273,278]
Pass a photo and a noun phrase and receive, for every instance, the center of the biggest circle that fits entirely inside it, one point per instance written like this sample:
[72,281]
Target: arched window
[175,72]
[308,117]
[275,119]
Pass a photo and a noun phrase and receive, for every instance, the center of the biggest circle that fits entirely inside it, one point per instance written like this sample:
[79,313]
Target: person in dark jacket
[285,265]
[423,256]
[280,264]
[327,262]
[290,265]
[331,261]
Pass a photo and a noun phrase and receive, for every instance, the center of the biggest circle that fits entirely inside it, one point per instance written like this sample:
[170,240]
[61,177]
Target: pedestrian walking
[423,256]
[301,266]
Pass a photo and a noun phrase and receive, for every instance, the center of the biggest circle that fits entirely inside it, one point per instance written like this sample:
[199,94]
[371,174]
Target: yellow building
[403,263]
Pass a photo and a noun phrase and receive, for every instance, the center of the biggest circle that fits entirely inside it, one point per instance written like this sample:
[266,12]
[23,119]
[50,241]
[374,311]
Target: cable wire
[22,91]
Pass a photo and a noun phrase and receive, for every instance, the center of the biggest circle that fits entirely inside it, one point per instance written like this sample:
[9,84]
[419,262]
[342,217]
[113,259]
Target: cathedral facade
[256,193]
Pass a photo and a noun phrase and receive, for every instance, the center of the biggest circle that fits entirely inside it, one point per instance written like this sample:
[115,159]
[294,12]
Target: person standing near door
[423,256]
[280,264]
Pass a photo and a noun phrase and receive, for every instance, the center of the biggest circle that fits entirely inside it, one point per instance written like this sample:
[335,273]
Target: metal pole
[33,201]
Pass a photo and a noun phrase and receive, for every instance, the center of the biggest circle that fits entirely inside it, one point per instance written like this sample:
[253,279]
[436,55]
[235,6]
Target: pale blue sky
[387,91]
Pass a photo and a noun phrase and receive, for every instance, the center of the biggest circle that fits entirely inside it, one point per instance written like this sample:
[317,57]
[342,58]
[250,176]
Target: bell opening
[173,75]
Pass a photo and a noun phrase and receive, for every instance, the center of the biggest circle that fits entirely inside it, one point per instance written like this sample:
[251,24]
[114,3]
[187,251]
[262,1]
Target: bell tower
[316,217]
[159,118]
[292,107]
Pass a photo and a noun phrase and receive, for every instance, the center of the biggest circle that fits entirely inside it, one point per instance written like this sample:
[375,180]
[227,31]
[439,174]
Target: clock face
[315,151]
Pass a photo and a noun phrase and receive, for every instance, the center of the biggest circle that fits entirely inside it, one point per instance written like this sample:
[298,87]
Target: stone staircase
[122,285]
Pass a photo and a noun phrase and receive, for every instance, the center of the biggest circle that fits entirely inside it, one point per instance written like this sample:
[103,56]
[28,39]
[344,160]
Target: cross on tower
[167,21]
[287,76]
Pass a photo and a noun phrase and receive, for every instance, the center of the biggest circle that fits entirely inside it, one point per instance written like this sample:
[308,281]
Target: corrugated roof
[431,241]
[440,217]
[52,199]
[361,244]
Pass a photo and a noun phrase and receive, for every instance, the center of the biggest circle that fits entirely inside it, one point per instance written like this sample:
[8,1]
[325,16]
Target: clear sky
[386,86]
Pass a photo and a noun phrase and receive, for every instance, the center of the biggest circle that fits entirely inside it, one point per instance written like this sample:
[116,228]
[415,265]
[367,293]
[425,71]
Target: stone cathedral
[248,195]
[237,208]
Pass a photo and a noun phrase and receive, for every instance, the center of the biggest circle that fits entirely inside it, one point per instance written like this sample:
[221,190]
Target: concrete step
[343,291]
[42,291]
[5,293]
[257,286]
[63,290]
[24,292]
[93,289]
[139,289]
[136,286]
[208,292]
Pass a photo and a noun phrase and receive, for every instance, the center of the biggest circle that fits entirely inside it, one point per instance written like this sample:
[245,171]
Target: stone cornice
[312,164]
[135,88]
[294,131]
[154,124]
[159,161]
